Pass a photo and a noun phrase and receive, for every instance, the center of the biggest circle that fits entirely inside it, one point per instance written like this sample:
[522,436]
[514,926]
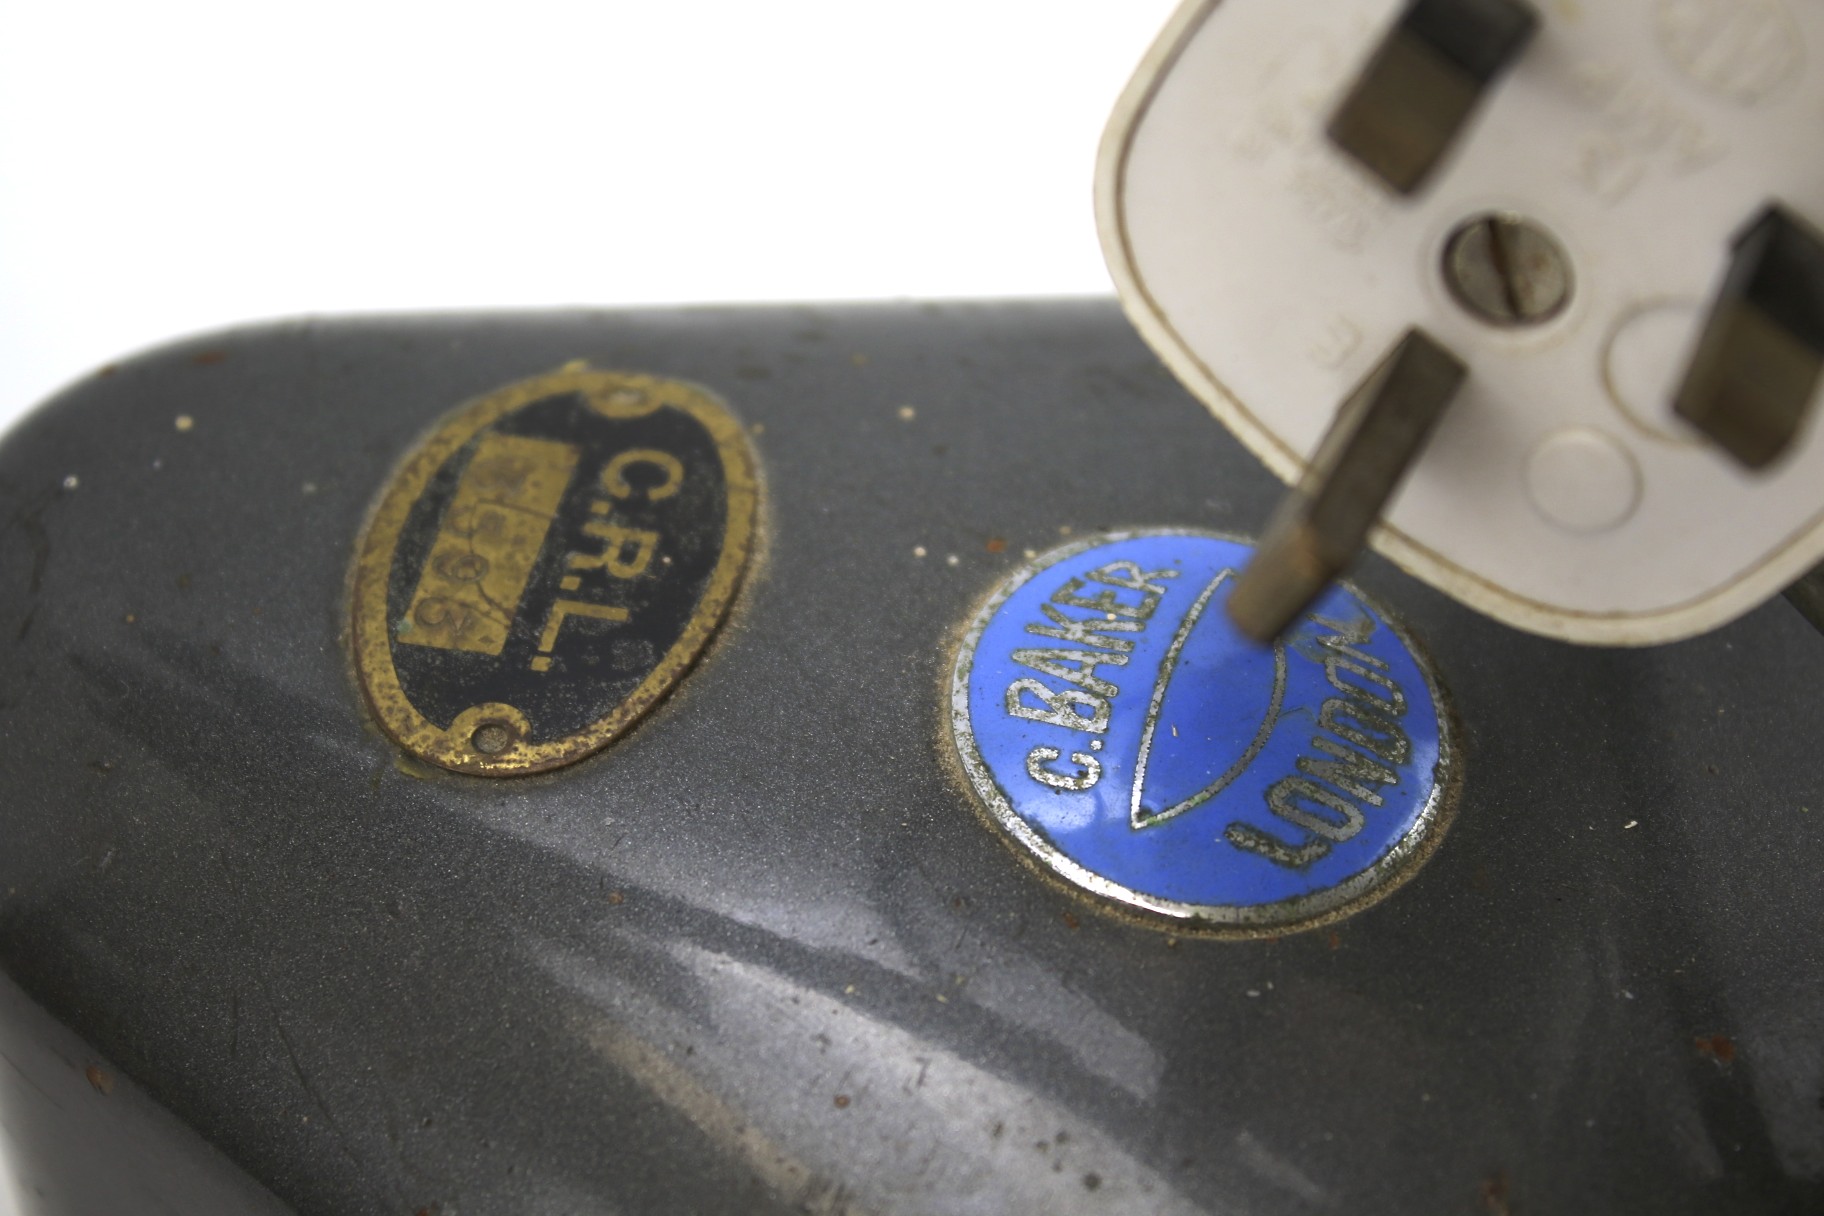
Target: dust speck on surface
[907,413]
[918,551]
[1092,1181]
[842,1101]
[184,422]
[616,897]
[71,482]
[951,560]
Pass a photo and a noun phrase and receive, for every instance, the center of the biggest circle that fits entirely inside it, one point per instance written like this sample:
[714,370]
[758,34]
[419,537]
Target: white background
[177,166]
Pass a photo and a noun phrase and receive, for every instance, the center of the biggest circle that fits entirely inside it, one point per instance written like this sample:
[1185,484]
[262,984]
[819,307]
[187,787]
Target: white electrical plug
[1622,152]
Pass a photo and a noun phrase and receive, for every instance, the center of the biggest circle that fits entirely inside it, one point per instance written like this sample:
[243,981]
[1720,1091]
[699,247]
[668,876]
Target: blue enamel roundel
[1122,731]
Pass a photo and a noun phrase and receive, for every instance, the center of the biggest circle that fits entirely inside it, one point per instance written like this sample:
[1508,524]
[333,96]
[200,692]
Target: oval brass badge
[547,565]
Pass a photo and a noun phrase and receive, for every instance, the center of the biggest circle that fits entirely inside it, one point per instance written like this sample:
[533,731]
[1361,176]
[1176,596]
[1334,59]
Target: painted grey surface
[764,955]
[80,1138]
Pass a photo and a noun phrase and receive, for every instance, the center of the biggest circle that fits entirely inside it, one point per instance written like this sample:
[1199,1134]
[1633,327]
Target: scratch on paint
[291,1054]
[677,1089]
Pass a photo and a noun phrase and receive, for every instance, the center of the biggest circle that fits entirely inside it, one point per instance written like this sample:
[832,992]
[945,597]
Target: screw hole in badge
[491,738]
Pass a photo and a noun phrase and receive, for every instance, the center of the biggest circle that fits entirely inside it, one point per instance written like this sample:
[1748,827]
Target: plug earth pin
[1425,80]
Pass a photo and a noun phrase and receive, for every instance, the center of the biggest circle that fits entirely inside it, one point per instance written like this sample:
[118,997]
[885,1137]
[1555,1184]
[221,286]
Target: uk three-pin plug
[1529,296]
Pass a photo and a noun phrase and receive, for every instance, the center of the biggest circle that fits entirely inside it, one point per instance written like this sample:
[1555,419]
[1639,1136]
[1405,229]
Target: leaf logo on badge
[1190,744]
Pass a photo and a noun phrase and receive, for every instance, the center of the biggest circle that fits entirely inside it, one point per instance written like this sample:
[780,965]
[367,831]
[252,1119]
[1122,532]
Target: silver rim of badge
[1370,886]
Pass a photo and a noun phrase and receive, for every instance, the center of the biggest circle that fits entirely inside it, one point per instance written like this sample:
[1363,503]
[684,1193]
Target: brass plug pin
[1323,523]
[1425,80]
[1754,373]
[1807,595]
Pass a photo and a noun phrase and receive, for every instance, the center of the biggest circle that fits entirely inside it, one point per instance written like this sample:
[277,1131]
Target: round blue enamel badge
[1121,730]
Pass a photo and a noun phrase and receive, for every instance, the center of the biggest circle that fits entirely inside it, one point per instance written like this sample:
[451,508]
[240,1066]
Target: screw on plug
[1425,80]
[1754,374]
[1322,524]
[1507,270]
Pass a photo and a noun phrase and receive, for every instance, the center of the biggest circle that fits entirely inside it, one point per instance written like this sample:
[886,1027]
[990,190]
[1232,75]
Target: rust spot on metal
[1718,1047]
[1071,921]
[996,545]
[100,1078]
[209,358]
[1495,1194]
[616,898]
[842,1101]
